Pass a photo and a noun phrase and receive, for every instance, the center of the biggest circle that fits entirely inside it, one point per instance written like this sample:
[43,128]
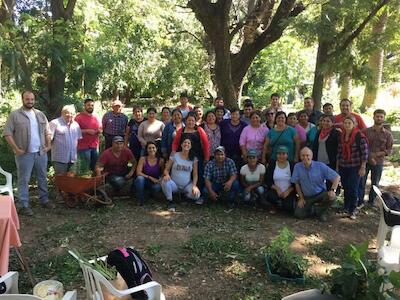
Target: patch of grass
[153,249]
[327,252]
[204,246]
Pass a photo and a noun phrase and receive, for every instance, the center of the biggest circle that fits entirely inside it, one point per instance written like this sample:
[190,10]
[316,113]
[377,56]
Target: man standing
[65,134]
[88,146]
[247,110]
[380,143]
[345,110]
[184,107]
[28,133]
[309,177]
[313,115]
[219,102]
[114,163]
[276,103]
[114,123]
[220,175]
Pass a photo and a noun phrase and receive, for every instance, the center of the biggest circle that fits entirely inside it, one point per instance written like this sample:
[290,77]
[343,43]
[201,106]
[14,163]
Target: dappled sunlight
[318,267]
[301,243]
[237,269]
[164,214]
[175,291]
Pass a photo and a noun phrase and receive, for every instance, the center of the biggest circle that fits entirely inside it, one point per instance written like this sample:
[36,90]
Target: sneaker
[26,211]
[199,201]
[48,205]
[171,207]
[360,206]
[352,216]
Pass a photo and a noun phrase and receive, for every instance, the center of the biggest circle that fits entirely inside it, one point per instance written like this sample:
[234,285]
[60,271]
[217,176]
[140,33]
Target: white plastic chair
[94,280]
[11,281]
[8,186]
[309,295]
[383,228]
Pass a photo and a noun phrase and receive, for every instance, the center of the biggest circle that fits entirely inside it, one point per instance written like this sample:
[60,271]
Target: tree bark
[346,86]
[231,68]
[375,63]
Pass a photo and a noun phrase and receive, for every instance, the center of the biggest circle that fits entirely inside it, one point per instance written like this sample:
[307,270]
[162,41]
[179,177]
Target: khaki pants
[314,206]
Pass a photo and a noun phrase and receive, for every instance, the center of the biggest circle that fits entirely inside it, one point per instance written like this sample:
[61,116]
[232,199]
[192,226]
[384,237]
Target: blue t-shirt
[285,138]
[312,180]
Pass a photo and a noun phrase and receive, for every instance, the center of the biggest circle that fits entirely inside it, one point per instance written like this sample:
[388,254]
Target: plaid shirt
[359,154]
[114,124]
[65,140]
[220,174]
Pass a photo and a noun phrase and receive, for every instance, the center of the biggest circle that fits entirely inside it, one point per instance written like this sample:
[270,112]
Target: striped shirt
[358,155]
[114,124]
[65,140]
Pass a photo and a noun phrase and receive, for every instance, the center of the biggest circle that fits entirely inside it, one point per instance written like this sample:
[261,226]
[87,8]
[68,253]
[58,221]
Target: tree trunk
[375,63]
[346,86]
[318,86]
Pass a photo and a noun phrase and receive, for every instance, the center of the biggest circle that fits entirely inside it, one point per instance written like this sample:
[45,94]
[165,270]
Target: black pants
[287,204]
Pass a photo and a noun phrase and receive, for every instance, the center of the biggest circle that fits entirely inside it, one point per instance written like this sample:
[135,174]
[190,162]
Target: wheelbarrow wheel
[103,198]
[71,200]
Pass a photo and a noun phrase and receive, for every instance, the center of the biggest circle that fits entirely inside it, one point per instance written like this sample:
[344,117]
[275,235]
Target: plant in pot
[282,264]
[361,278]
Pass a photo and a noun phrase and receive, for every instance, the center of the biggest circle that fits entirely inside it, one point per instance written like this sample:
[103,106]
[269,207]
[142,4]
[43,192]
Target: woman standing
[212,130]
[281,192]
[169,133]
[148,171]
[352,160]
[181,167]
[200,145]
[151,129]
[131,132]
[253,136]
[281,135]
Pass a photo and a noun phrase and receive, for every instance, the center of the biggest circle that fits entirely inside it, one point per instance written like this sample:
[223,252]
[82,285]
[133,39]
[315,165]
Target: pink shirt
[254,138]
[301,133]
[86,121]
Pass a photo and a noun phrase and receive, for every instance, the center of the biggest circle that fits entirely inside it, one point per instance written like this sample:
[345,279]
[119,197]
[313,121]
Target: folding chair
[7,188]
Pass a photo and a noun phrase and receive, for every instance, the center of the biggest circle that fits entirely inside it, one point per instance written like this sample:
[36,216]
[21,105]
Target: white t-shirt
[181,170]
[252,176]
[34,144]
[282,177]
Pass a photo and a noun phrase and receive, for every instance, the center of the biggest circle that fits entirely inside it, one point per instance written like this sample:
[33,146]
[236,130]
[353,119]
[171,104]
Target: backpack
[132,267]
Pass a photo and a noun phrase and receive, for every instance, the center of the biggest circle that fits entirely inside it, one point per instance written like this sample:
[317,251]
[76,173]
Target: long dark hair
[151,143]
[194,115]
[191,153]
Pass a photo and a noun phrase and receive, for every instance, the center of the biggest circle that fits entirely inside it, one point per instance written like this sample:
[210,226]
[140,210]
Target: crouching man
[309,177]
[114,163]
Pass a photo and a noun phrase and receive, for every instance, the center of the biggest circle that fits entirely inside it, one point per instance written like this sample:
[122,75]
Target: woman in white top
[281,193]
[252,178]
[150,130]
[178,174]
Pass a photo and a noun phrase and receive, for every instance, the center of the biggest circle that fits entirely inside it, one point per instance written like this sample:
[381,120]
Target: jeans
[231,195]
[350,182]
[25,164]
[287,204]
[142,184]
[116,181]
[376,174]
[169,187]
[259,191]
[90,155]
[62,168]
[315,205]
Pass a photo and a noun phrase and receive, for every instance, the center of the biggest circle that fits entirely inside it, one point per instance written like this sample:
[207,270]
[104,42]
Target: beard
[379,122]
[27,105]
[89,110]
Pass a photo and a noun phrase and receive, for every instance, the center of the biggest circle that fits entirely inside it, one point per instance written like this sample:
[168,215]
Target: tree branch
[69,10]
[189,33]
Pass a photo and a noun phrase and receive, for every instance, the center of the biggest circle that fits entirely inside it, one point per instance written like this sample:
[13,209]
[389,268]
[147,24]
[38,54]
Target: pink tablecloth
[9,225]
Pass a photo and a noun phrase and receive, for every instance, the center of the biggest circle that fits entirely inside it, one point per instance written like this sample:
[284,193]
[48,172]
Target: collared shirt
[312,179]
[18,126]
[358,153]
[379,140]
[114,124]
[220,173]
[65,140]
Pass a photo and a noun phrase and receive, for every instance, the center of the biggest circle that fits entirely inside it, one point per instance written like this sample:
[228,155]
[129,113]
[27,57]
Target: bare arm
[265,150]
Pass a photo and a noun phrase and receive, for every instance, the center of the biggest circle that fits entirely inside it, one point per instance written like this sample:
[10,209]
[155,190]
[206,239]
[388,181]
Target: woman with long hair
[212,130]
[169,133]
[148,171]
[352,161]
[281,135]
[181,174]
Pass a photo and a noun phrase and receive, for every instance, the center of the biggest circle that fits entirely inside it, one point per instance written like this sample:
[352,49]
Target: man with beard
[88,146]
[313,114]
[28,133]
[380,142]
[346,110]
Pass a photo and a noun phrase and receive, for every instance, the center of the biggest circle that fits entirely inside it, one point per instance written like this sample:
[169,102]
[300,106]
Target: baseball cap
[220,149]
[118,139]
[251,153]
[282,149]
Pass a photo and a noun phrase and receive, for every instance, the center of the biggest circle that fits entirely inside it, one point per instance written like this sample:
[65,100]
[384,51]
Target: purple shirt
[254,138]
[301,132]
[230,136]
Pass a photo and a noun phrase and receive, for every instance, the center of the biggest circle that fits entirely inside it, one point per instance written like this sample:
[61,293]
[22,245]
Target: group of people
[292,162]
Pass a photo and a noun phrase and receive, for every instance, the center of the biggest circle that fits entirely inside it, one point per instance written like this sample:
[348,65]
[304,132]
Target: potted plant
[281,263]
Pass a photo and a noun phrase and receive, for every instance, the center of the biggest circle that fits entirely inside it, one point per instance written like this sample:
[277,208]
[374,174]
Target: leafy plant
[360,278]
[282,260]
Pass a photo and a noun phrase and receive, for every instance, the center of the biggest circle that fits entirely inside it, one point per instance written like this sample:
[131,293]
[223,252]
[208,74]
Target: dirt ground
[195,253]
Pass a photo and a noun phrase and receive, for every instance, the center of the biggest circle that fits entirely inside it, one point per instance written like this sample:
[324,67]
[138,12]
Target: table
[9,226]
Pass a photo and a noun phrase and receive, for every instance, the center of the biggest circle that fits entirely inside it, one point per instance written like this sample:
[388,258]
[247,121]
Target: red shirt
[340,118]
[116,165]
[86,121]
